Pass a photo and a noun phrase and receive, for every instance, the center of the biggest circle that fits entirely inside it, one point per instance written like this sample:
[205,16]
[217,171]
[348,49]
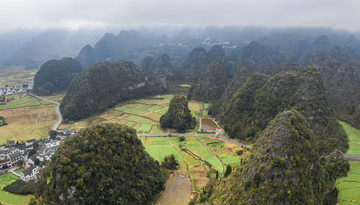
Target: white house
[29,173]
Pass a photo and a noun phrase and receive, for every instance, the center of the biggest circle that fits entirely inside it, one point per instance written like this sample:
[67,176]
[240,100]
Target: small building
[29,173]
[15,157]
[10,142]
[5,163]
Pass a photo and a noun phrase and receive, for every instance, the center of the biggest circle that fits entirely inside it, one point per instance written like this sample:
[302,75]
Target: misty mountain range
[32,48]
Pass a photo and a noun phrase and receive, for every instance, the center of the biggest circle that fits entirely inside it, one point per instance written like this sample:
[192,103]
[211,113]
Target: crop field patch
[354,139]
[144,128]
[157,141]
[155,129]
[350,190]
[229,158]
[161,151]
[18,75]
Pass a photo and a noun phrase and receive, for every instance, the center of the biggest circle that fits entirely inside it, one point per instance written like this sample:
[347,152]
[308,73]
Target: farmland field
[143,114]
[349,186]
[27,118]
[9,198]
[16,76]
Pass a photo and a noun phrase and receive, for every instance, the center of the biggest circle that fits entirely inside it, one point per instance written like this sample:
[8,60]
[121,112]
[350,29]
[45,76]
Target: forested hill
[104,164]
[261,98]
[2,121]
[55,76]
[102,86]
[285,167]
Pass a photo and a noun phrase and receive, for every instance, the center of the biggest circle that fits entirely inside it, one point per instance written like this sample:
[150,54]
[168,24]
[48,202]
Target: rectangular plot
[159,152]
[155,129]
[229,158]
[157,141]
[144,128]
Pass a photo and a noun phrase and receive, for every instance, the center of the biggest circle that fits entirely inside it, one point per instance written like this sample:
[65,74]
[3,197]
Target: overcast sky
[338,14]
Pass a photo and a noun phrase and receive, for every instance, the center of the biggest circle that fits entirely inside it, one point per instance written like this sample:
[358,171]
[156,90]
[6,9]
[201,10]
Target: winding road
[57,110]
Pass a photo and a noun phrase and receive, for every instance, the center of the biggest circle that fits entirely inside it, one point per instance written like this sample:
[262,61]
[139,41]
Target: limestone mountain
[211,83]
[160,69]
[104,164]
[259,100]
[102,86]
[340,69]
[195,63]
[258,58]
[86,56]
[198,59]
[178,115]
[284,168]
[145,63]
[55,76]
[236,82]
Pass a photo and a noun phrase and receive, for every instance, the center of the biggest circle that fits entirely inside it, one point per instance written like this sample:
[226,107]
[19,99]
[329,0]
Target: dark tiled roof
[4,161]
[14,155]
[28,171]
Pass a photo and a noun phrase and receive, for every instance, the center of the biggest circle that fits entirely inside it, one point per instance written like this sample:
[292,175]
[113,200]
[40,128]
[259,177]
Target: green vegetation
[170,162]
[104,164]
[21,187]
[260,99]
[103,86]
[178,115]
[9,198]
[55,76]
[185,85]
[279,169]
[147,110]
[349,187]
[2,121]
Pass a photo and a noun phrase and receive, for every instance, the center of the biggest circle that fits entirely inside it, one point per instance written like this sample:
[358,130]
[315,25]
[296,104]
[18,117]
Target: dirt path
[57,110]
[177,191]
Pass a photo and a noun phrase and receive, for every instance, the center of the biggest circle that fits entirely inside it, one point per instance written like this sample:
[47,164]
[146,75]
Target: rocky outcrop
[236,82]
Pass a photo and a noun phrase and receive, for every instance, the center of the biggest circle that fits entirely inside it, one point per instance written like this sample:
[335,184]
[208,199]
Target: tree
[170,162]
[228,170]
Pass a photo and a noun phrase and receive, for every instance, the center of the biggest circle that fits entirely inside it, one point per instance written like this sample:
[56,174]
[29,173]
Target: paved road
[57,110]
[350,157]
[196,134]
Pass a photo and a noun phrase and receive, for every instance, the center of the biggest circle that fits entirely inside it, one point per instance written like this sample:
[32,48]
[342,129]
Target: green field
[143,114]
[9,198]
[349,187]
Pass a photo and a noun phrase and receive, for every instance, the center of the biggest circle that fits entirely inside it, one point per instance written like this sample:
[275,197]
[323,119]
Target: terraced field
[143,115]
[349,187]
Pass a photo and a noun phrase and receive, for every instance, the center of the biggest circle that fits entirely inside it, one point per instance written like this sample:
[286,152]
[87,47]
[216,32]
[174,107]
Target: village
[31,155]
[9,90]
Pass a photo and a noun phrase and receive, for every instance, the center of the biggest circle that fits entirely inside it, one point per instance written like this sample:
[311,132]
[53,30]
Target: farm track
[57,110]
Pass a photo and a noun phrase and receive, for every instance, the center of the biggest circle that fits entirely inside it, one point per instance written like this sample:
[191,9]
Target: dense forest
[178,116]
[105,164]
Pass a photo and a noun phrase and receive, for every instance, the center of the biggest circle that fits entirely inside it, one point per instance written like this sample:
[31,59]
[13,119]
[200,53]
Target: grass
[161,151]
[354,139]
[351,190]
[9,198]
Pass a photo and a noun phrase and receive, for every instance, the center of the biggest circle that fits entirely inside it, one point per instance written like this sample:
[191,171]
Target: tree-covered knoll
[178,115]
[102,86]
[2,121]
[55,76]
[285,167]
[259,100]
[105,164]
